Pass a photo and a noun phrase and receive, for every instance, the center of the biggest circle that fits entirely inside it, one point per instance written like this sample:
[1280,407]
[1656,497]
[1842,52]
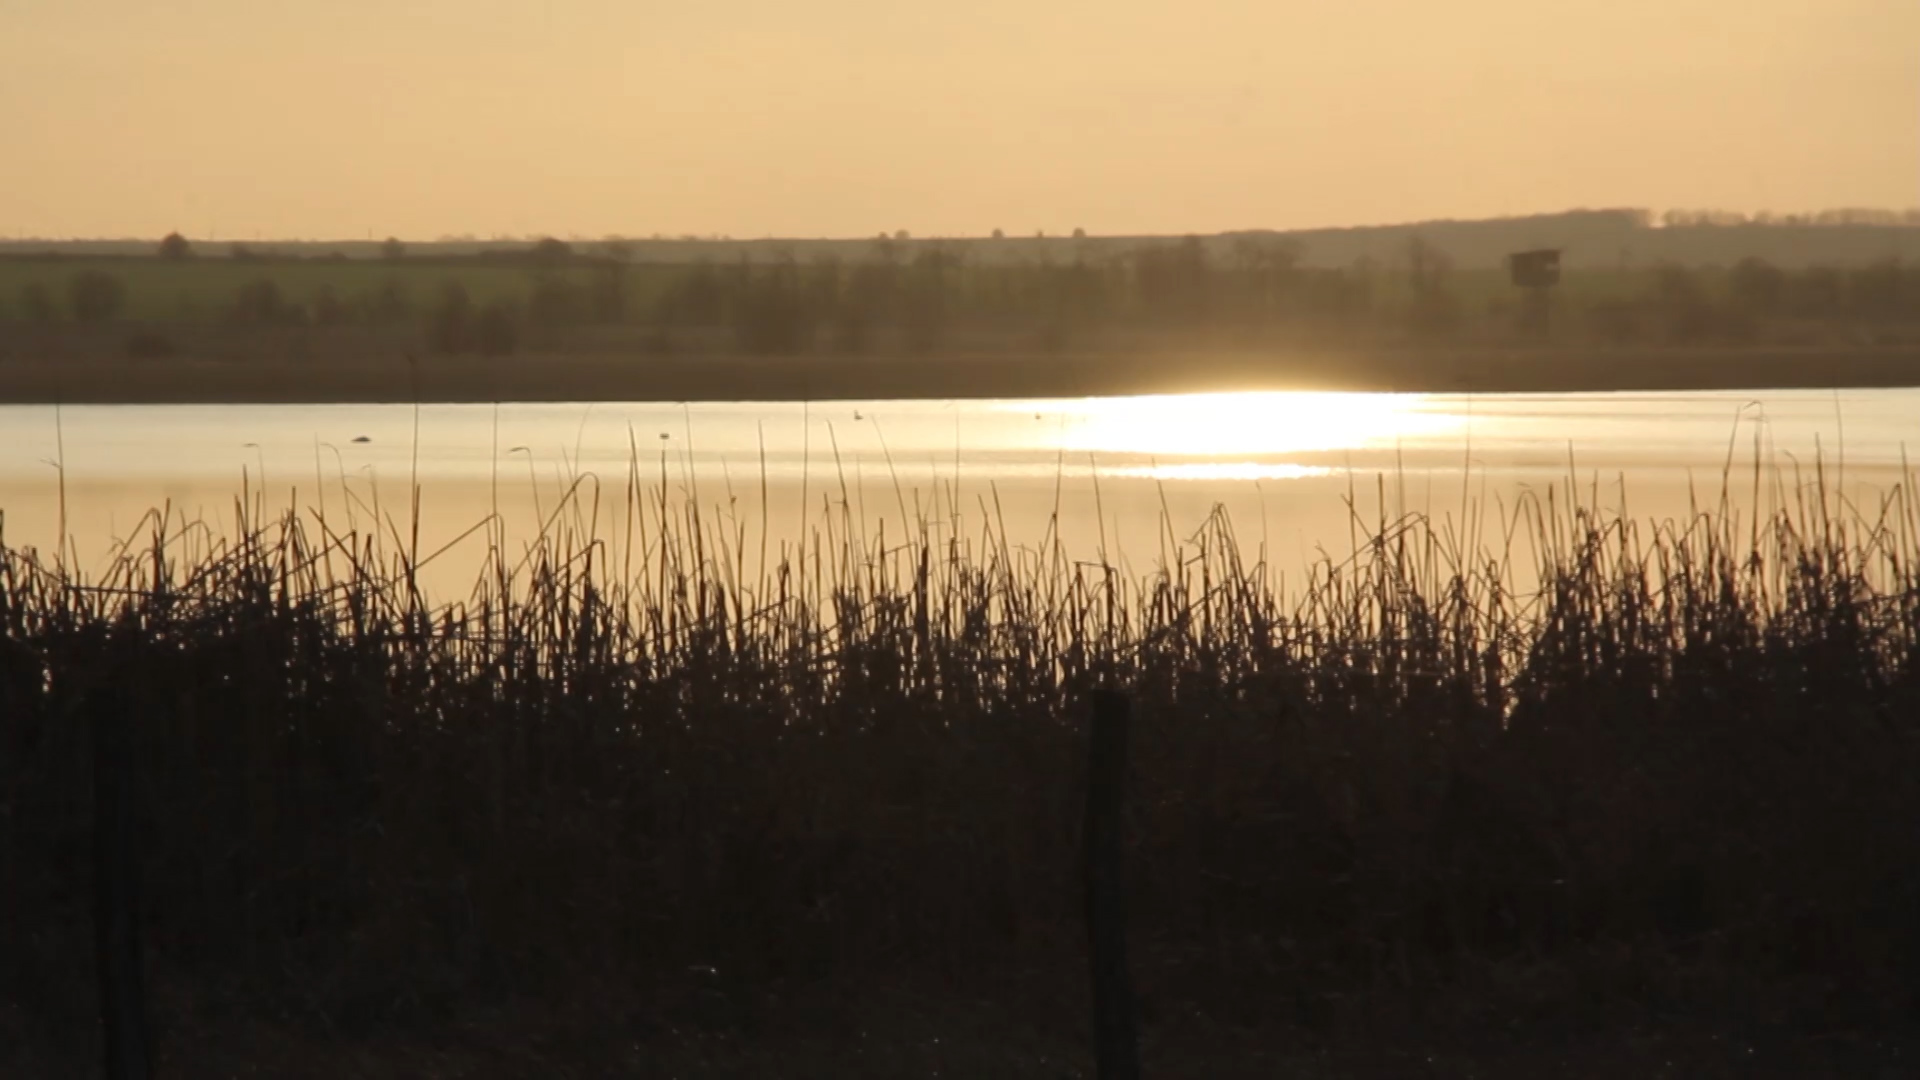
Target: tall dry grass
[1600,764]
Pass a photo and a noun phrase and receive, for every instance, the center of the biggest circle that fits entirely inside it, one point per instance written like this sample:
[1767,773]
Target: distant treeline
[896,296]
[1605,238]
[1824,218]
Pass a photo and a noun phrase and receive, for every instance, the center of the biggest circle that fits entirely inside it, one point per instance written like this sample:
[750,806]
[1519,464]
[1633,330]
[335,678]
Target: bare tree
[36,302]
[95,297]
[496,332]
[450,327]
[261,303]
[549,249]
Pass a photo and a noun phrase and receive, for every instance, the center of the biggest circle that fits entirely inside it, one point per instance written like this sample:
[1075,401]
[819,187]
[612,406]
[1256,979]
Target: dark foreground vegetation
[644,805]
[1436,310]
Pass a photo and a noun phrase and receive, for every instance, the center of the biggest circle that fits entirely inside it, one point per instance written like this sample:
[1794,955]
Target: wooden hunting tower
[1535,269]
[1537,272]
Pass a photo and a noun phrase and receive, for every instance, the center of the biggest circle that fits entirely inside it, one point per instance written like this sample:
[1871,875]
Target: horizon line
[1902,218]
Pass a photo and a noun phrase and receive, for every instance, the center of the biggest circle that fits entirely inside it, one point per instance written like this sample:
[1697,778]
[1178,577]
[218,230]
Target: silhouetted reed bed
[1681,778]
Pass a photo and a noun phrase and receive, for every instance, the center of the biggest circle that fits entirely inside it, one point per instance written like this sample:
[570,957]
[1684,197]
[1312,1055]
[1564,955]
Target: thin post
[123,1006]
[1116,1027]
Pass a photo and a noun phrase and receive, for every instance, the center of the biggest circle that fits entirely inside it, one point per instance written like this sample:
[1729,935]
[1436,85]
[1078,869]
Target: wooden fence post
[1116,1026]
[123,1005]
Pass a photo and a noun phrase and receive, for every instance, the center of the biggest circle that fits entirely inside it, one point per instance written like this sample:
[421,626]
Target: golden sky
[245,118]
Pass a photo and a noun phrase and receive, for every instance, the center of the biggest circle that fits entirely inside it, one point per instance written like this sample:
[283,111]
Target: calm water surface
[1113,474]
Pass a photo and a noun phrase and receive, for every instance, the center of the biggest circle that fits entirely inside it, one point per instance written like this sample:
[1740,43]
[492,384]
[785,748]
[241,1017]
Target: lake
[1297,474]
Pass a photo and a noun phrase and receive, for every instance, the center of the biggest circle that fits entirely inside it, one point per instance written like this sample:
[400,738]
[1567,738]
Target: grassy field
[661,802]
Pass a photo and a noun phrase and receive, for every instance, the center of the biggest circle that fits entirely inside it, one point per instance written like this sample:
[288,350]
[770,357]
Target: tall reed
[635,750]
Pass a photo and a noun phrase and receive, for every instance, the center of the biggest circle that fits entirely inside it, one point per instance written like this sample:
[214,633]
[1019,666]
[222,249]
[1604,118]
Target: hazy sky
[846,117]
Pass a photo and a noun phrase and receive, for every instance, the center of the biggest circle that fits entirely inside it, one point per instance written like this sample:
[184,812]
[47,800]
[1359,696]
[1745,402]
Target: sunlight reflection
[1238,425]
[1223,470]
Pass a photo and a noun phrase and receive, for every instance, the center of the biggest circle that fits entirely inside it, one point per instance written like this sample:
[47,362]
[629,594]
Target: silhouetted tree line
[457,325]
[1678,305]
[1260,291]
[919,298]
[1852,215]
[931,298]
[95,297]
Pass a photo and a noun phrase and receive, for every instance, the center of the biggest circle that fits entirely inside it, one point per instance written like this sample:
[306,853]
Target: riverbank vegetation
[901,297]
[1601,795]
[923,306]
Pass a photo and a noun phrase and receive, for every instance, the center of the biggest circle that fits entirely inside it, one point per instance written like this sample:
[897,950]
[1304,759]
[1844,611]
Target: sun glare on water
[1245,426]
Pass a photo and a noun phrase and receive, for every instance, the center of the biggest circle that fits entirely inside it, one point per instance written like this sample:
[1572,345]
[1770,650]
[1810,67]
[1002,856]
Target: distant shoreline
[591,376]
